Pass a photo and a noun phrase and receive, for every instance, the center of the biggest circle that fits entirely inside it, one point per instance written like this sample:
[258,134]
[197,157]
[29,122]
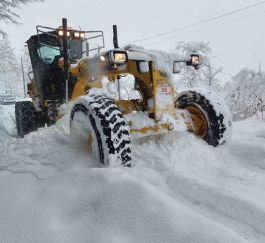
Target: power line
[200,22]
[209,28]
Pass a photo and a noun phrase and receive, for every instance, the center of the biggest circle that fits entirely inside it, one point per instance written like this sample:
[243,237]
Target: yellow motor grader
[109,124]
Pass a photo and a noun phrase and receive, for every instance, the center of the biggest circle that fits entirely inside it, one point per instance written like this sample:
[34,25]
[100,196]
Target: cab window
[47,54]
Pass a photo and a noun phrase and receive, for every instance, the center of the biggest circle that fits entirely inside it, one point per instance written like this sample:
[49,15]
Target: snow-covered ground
[179,189]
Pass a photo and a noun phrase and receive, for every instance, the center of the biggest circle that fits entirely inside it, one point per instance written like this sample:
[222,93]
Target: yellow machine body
[156,89]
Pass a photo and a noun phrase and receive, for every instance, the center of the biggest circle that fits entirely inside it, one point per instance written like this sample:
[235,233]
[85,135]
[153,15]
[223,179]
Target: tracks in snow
[225,184]
[216,182]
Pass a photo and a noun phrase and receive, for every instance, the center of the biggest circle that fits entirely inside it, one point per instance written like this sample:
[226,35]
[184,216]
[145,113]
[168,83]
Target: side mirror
[176,67]
[118,57]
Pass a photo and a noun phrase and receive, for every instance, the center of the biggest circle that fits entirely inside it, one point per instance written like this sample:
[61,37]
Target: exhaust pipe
[115,37]
[65,57]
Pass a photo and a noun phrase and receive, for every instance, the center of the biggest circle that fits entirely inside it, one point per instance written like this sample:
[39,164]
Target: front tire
[98,121]
[26,119]
[209,113]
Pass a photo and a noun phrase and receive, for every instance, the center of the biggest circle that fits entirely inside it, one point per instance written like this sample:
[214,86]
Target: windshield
[75,51]
[47,54]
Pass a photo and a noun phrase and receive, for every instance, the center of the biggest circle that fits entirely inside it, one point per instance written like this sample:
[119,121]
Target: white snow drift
[179,190]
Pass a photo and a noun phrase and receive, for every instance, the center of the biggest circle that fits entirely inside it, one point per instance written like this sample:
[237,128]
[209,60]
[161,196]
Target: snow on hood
[162,60]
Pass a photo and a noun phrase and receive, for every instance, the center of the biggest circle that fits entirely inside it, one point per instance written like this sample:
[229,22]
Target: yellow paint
[32,89]
[127,106]
[154,128]
[90,71]
[199,121]
[90,139]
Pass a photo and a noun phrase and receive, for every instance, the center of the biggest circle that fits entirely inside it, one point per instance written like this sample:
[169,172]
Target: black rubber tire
[26,119]
[41,121]
[219,123]
[109,127]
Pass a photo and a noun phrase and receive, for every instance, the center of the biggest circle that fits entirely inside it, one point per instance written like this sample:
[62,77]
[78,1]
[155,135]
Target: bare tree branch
[7,11]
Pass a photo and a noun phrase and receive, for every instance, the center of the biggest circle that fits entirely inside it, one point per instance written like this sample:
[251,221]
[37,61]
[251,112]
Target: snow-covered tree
[10,70]
[7,10]
[10,74]
[246,94]
[7,56]
[206,75]
[26,61]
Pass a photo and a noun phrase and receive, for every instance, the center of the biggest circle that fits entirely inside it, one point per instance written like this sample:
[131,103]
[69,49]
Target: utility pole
[23,75]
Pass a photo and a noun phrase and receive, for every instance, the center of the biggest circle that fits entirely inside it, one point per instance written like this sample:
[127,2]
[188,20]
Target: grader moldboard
[63,70]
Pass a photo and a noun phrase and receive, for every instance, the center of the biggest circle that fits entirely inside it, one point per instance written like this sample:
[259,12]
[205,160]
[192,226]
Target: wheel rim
[92,143]
[199,121]
[82,132]
[89,139]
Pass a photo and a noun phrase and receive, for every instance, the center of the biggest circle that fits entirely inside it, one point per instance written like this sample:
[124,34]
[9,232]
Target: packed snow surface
[178,190]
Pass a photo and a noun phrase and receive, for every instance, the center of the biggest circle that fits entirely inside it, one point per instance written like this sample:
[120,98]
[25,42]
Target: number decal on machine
[165,90]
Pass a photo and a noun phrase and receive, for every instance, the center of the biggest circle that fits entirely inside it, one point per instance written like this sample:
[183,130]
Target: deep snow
[179,189]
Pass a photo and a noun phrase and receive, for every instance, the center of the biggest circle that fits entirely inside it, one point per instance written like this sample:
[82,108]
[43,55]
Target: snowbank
[179,190]
[7,122]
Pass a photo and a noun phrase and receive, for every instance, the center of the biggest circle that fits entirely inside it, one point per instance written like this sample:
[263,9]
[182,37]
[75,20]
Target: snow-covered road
[179,189]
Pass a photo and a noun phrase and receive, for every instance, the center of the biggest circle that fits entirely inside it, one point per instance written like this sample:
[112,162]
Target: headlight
[60,33]
[102,58]
[77,34]
[195,60]
[118,57]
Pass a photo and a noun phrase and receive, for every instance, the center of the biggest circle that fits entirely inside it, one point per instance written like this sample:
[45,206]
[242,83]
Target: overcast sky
[235,45]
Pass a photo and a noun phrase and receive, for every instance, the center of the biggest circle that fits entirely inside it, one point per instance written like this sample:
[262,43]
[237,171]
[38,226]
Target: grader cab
[51,84]
[108,125]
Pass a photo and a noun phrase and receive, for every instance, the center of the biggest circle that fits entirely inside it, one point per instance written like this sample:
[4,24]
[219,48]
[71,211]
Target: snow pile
[99,206]
[163,61]
[124,90]
[3,133]
[7,122]
[141,120]
[179,190]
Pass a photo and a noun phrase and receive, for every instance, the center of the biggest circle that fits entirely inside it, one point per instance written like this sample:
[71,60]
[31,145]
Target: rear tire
[215,112]
[97,118]
[26,119]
